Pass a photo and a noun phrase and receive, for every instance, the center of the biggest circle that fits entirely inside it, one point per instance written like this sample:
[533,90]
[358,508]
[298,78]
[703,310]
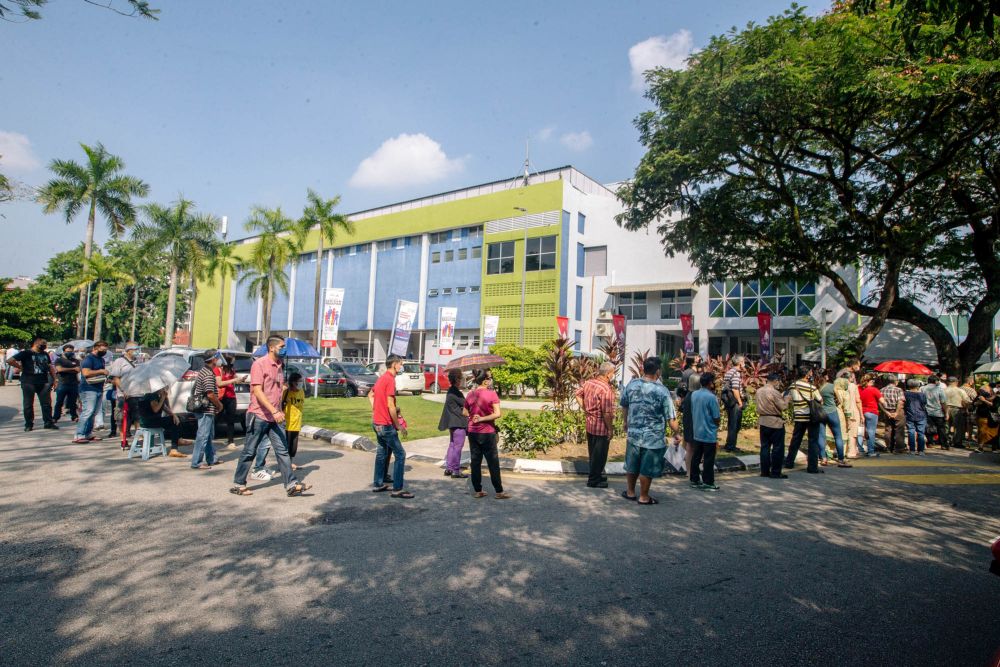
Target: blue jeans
[90,401]
[203,447]
[388,438]
[838,436]
[257,430]
[261,461]
[871,423]
[916,431]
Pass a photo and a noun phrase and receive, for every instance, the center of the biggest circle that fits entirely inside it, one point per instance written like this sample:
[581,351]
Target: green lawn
[354,415]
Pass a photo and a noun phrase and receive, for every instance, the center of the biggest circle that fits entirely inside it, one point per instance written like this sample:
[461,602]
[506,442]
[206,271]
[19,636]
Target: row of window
[464,341]
[540,255]
[448,291]
[457,234]
[474,252]
[673,304]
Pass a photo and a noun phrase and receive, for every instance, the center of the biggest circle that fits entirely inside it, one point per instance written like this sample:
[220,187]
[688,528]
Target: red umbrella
[472,362]
[904,367]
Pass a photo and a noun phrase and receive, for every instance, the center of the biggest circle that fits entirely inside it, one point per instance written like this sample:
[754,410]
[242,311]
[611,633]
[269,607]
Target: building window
[449,255]
[459,290]
[440,237]
[463,340]
[353,250]
[432,292]
[674,303]
[474,289]
[579,303]
[463,253]
[581,223]
[435,258]
[541,254]
[473,232]
[780,298]
[632,305]
[446,291]
[576,339]
[477,252]
[401,243]
[595,261]
[500,258]
[475,341]
[580,256]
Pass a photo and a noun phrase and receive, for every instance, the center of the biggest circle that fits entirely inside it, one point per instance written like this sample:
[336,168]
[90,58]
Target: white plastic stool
[144,441]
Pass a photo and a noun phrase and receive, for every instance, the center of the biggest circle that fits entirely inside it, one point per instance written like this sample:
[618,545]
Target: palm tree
[103,271]
[260,283]
[176,236]
[100,184]
[279,239]
[319,213]
[226,265]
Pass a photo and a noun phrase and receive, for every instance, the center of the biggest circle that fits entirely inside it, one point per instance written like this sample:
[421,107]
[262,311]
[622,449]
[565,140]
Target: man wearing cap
[265,419]
[117,371]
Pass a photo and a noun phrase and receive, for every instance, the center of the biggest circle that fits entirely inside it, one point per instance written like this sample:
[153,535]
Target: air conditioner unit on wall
[605,329]
[605,315]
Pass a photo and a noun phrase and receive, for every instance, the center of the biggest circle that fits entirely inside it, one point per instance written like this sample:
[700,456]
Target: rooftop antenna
[522,179]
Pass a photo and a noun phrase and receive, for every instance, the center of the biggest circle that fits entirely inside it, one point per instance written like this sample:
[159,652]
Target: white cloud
[16,153]
[660,51]
[577,141]
[409,159]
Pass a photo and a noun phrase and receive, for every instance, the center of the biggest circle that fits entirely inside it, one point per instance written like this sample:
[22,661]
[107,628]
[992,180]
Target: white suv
[410,379]
[181,390]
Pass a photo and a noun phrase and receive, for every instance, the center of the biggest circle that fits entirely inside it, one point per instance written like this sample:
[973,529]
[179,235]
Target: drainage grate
[376,516]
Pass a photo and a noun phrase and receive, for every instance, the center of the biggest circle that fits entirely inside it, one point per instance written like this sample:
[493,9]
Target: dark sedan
[330,382]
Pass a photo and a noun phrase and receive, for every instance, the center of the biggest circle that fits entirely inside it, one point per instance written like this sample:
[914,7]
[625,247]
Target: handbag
[817,415]
[728,399]
[196,403]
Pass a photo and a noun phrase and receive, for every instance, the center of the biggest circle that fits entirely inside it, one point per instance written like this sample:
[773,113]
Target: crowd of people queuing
[842,408]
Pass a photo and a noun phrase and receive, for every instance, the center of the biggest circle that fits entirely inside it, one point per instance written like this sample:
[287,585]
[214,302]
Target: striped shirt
[597,399]
[205,384]
[802,393]
[733,380]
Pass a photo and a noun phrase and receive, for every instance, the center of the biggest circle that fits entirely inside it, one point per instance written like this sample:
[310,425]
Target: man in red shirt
[387,424]
[597,398]
[871,401]
[265,419]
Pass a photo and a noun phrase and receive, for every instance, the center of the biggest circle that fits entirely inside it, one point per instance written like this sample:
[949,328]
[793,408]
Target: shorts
[642,461]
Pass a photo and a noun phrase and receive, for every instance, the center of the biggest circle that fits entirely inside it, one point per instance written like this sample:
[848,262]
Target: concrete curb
[726,464]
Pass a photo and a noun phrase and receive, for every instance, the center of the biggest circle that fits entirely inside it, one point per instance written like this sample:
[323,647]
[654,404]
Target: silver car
[181,390]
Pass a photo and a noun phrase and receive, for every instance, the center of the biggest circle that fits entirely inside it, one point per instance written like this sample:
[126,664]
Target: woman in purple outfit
[454,421]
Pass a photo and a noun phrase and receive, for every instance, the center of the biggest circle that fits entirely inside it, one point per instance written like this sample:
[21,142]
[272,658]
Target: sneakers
[695,485]
[709,487]
[261,476]
[51,426]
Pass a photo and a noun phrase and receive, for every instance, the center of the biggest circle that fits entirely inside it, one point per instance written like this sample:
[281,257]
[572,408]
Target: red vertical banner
[562,326]
[764,324]
[687,327]
[618,321]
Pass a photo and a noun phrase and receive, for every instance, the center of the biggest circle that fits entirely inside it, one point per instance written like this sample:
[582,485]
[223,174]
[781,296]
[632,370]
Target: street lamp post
[524,267]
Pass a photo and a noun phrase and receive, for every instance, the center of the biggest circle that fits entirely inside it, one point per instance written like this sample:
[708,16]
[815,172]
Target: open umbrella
[154,375]
[295,348]
[904,367]
[992,367]
[81,345]
[474,362]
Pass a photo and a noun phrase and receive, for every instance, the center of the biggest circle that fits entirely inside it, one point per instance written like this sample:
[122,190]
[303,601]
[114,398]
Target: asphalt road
[105,560]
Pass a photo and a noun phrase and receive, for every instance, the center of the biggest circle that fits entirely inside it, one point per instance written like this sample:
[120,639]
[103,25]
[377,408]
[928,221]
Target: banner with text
[333,303]
[490,325]
[618,322]
[687,327]
[406,315]
[562,326]
[446,330]
[764,325]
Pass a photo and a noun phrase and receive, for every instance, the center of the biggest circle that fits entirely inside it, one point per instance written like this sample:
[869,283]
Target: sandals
[240,491]
[626,496]
[405,495]
[380,489]
[479,494]
[297,489]
[844,464]
[502,496]
[652,501]
[202,466]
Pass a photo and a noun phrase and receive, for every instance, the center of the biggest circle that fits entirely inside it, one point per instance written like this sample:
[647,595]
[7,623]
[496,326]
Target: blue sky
[236,104]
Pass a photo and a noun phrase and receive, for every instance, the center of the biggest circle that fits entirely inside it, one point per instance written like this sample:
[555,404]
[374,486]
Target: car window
[411,368]
[354,369]
[242,364]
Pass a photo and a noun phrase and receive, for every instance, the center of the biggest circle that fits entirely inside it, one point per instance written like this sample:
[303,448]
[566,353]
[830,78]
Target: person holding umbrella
[482,407]
[150,382]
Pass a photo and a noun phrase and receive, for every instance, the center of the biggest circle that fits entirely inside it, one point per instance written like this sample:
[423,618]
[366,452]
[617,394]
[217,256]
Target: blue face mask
[282,352]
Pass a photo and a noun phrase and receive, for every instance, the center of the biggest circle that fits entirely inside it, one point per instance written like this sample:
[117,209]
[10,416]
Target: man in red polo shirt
[386,422]
[265,419]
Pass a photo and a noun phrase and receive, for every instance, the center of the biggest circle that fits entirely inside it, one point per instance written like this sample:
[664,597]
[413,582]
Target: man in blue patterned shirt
[648,406]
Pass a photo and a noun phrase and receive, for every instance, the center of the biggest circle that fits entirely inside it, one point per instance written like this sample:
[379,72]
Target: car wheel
[417,392]
[351,391]
[436,388]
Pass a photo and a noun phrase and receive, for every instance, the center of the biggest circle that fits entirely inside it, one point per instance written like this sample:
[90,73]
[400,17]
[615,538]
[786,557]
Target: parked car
[410,379]
[442,378]
[181,390]
[331,382]
[360,380]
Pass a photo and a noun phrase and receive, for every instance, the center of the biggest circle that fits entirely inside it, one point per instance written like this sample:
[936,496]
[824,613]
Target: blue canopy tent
[296,348]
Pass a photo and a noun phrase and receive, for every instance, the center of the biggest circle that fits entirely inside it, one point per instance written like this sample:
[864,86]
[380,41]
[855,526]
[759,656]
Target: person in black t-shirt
[37,378]
[151,408]
[68,388]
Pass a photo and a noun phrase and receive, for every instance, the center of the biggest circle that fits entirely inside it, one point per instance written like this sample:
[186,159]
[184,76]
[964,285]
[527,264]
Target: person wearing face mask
[68,389]
[37,378]
[117,371]
[93,375]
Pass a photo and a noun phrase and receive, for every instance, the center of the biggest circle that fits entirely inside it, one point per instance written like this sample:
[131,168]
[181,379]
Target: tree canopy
[808,144]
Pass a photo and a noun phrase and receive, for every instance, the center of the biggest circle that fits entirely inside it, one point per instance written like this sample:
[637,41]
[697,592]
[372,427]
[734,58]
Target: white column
[329,268]
[699,312]
[292,272]
[371,286]
[425,254]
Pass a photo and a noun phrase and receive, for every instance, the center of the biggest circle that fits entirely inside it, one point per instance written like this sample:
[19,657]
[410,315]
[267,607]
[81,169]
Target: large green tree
[319,214]
[175,236]
[99,184]
[224,265]
[279,240]
[807,144]
[24,315]
[102,272]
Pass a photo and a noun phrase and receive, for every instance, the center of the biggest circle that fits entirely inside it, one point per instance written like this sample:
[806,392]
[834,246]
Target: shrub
[538,431]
